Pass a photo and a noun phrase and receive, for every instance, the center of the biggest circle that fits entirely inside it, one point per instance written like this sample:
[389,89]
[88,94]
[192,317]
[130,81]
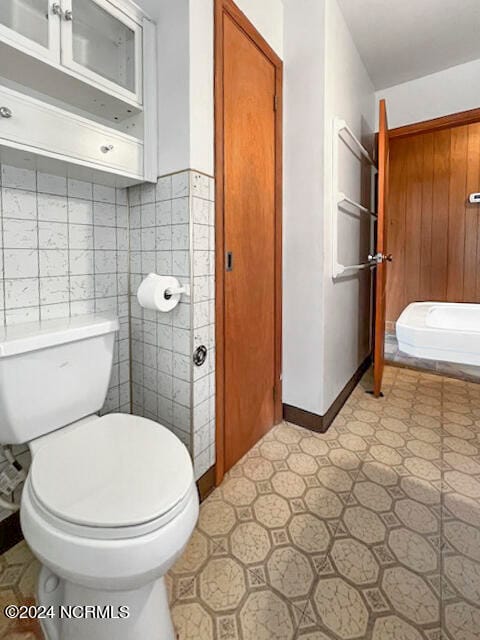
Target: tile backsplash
[63,252]
[70,248]
[172,233]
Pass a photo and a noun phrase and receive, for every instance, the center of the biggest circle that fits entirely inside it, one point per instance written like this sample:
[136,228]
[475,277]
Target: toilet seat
[118,476]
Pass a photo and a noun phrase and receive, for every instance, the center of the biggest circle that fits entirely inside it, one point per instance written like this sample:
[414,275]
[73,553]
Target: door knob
[378,258]
[5,112]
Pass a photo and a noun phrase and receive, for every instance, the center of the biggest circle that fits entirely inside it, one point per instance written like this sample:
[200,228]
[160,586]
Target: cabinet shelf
[65,85]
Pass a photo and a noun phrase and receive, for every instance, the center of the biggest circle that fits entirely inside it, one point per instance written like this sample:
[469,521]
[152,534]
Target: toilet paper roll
[152,293]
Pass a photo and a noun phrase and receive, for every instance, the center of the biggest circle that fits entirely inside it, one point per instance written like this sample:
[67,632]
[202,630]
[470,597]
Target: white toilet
[109,503]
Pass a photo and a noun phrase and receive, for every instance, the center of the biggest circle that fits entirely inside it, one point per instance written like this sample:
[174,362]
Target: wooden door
[382,255]
[248,245]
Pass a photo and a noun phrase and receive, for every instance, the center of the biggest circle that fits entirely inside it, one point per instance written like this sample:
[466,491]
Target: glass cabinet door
[103,44]
[32,25]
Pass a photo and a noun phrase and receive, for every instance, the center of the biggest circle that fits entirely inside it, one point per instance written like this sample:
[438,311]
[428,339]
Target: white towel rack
[340,126]
[343,126]
[343,198]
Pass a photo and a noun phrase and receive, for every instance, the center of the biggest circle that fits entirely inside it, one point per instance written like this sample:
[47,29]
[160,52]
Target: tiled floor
[370,531]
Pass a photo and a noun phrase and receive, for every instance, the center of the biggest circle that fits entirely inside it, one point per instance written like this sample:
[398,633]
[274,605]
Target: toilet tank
[53,373]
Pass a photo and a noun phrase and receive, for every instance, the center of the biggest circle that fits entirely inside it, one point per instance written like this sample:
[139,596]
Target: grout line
[192,315]
[129,303]
[2,272]
[69,275]
[37,220]
[117,276]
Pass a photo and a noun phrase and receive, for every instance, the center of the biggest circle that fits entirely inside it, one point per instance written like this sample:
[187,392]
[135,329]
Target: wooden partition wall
[433,232]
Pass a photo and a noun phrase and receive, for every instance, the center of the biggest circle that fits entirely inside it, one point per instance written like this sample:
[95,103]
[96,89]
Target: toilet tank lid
[31,336]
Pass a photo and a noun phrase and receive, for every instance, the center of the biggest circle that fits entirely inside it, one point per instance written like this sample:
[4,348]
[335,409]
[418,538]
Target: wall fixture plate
[200,355]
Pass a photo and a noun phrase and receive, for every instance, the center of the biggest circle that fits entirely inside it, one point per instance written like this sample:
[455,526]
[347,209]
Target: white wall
[185,71]
[325,322]
[439,94]
[268,17]
[201,86]
[304,70]
[173,61]
[349,94]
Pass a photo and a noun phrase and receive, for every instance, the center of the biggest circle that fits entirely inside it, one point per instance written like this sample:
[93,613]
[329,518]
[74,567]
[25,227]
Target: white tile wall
[64,251]
[69,247]
[203,250]
[171,233]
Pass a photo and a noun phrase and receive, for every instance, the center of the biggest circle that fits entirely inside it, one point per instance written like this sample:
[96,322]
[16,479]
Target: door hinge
[275,103]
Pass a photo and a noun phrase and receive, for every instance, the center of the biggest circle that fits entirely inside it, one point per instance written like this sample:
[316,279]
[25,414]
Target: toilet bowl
[109,531]
[109,505]
[109,502]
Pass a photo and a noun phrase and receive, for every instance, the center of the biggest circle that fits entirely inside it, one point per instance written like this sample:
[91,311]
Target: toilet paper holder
[161,293]
[173,291]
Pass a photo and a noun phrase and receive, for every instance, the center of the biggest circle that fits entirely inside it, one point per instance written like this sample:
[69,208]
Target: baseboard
[303,418]
[206,484]
[10,532]
[317,422]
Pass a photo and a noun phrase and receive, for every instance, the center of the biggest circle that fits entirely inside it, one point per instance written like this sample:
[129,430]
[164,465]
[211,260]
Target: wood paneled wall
[433,231]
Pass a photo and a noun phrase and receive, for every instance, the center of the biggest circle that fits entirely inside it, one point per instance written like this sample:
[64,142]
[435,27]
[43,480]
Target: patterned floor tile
[370,531]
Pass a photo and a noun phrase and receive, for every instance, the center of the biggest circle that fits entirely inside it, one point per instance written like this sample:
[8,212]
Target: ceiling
[401,40]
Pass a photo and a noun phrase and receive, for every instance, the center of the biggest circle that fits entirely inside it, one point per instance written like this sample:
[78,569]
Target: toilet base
[106,616]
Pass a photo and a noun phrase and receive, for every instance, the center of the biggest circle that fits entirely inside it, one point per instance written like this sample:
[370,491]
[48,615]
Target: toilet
[110,502]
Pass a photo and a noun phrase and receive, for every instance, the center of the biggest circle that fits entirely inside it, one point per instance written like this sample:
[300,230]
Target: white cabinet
[103,44]
[93,40]
[64,136]
[74,86]
[32,26]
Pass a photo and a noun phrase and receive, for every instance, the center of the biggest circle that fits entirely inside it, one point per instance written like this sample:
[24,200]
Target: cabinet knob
[5,112]
[106,148]
[57,9]
[68,15]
